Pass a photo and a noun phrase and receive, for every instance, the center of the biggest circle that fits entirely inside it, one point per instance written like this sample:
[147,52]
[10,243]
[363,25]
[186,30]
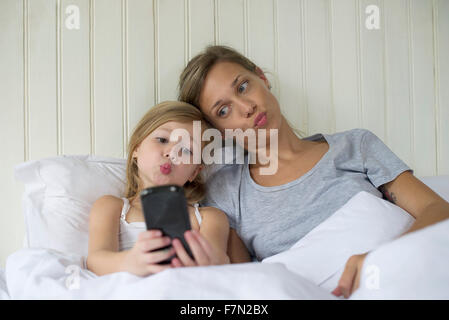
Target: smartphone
[165,208]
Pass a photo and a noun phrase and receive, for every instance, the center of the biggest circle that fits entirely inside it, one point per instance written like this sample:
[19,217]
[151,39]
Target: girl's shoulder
[107,204]
[212,213]
[109,200]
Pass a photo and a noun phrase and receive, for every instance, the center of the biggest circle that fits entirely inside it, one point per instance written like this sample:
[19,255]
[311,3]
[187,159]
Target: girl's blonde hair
[192,78]
[158,115]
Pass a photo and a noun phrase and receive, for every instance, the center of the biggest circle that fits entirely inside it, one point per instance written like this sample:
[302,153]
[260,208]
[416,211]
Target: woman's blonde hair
[158,115]
[192,78]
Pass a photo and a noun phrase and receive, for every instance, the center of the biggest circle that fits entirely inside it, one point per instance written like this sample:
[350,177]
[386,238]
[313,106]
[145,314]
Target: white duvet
[45,274]
[414,266]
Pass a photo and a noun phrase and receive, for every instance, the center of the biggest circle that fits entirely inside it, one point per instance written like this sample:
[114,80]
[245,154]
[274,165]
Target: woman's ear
[262,76]
[196,172]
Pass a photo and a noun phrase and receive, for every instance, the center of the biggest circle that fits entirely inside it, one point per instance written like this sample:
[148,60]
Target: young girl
[118,239]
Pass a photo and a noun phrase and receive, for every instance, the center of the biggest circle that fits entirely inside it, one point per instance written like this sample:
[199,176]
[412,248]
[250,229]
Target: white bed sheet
[414,266]
[3,288]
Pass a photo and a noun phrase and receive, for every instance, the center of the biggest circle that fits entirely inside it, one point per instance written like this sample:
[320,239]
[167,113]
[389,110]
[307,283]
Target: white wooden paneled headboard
[76,75]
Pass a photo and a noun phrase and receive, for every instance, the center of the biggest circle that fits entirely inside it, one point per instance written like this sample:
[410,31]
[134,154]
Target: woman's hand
[203,252]
[140,261]
[350,279]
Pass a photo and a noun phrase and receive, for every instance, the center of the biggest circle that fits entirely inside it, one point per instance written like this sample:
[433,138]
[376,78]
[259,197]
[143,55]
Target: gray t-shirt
[270,220]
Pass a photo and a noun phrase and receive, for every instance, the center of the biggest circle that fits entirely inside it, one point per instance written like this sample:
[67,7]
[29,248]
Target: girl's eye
[161,140]
[186,150]
[242,87]
[223,111]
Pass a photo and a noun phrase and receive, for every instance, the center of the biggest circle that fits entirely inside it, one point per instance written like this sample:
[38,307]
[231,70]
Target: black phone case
[165,209]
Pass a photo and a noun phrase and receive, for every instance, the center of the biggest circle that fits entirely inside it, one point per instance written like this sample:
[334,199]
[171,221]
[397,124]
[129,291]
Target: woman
[316,175]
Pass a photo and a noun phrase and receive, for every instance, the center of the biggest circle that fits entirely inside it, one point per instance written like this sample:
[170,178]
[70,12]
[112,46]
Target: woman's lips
[261,119]
[165,168]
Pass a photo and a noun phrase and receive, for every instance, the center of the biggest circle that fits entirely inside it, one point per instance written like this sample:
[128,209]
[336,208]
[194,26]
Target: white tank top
[129,231]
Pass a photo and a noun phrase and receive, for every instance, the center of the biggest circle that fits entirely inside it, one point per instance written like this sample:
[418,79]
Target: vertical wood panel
[13,25]
[261,42]
[289,63]
[125,74]
[231,24]
[201,25]
[107,74]
[441,29]
[171,47]
[141,58]
[372,71]
[399,117]
[423,87]
[346,68]
[318,67]
[76,126]
[42,86]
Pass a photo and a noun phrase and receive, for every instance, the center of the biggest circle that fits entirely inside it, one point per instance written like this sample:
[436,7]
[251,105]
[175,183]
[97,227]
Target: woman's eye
[242,87]
[223,111]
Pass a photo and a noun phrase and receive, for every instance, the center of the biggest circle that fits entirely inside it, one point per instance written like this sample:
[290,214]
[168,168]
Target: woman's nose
[247,108]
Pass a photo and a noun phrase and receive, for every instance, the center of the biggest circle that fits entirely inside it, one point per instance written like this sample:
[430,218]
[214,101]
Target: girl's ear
[136,150]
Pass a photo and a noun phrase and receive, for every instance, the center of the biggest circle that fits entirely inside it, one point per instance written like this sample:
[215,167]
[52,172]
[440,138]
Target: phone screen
[165,209]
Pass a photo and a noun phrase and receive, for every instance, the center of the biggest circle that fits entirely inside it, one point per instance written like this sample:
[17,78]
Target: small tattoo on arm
[390,196]
[393,198]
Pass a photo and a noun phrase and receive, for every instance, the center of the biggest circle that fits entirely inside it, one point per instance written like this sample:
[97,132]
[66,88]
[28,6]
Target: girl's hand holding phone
[140,261]
[204,254]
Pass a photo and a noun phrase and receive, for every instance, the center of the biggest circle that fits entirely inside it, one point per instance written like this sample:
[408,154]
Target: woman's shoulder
[226,175]
[348,141]
[353,135]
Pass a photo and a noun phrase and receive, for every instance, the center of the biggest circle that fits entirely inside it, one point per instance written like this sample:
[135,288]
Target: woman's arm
[409,193]
[412,195]
[237,251]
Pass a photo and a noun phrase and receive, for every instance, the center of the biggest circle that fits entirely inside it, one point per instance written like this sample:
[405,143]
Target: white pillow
[364,223]
[59,193]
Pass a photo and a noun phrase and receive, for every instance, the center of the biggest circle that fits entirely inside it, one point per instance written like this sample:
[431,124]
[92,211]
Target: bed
[59,192]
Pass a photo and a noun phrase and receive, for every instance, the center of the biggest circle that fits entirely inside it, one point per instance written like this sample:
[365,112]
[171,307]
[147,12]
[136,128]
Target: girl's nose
[169,153]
